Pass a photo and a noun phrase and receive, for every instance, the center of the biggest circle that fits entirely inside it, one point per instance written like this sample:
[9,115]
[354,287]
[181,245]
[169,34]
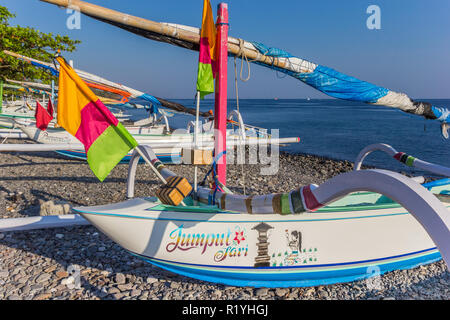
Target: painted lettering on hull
[226,244]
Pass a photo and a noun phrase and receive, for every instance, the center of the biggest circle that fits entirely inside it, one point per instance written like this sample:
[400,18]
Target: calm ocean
[340,129]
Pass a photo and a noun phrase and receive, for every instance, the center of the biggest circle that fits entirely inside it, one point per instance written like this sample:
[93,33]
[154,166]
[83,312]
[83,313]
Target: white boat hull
[324,247]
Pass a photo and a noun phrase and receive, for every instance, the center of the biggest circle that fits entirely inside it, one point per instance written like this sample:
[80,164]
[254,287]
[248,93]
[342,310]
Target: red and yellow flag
[207,57]
[84,116]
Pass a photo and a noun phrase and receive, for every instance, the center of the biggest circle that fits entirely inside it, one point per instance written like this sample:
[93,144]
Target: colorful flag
[43,117]
[207,57]
[83,115]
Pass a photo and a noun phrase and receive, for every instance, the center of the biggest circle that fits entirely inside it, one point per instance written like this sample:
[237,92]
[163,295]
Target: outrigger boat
[155,130]
[152,131]
[356,225]
[339,231]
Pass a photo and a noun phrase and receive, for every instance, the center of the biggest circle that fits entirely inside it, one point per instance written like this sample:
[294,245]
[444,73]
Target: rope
[213,166]
[236,85]
[241,54]
[237,107]
[445,113]
[218,185]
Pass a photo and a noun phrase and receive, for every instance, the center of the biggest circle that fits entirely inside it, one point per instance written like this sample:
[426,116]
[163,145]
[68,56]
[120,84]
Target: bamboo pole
[162,29]
[30,223]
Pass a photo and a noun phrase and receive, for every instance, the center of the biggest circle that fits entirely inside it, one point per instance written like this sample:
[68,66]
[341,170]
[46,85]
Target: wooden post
[220,107]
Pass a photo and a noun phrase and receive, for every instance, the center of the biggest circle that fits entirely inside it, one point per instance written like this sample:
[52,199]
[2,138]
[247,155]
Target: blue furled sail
[341,86]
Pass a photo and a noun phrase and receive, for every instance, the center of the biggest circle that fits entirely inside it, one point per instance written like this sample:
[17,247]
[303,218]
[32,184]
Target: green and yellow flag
[207,57]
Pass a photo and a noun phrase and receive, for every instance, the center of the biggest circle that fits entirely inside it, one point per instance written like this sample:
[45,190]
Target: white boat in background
[167,142]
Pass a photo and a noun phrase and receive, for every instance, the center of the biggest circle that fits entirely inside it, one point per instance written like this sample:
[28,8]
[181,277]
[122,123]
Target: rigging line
[241,54]
[284,75]
[236,84]
[238,148]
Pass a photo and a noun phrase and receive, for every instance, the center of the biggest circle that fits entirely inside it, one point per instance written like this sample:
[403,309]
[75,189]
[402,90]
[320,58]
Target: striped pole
[220,107]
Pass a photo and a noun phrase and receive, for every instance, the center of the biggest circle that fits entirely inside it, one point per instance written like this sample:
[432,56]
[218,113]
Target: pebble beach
[37,264]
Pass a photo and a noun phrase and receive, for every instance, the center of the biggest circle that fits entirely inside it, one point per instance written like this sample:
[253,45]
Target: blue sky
[411,52]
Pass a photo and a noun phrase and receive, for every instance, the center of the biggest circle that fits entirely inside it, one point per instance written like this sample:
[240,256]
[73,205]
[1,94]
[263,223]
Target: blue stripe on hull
[165,158]
[288,276]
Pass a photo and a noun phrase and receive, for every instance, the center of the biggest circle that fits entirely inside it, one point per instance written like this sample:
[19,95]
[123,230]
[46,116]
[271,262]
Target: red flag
[42,116]
[50,107]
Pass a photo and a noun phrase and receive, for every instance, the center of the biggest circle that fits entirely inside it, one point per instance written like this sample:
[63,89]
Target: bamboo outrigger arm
[402,157]
[322,78]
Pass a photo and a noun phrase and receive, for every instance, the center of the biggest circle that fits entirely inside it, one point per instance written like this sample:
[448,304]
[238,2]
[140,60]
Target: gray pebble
[125,287]
[43,278]
[262,292]
[120,278]
[135,292]
[151,280]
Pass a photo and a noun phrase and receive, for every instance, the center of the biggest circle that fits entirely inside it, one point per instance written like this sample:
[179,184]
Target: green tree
[31,43]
